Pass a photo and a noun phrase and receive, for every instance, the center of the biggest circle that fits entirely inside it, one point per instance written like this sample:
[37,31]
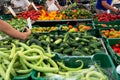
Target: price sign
[29,23]
[11,10]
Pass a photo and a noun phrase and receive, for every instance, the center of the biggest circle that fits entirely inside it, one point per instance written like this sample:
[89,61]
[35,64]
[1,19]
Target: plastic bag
[52,7]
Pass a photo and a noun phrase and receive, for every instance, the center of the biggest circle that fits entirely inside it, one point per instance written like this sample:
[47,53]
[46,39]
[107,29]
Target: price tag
[34,6]
[11,10]
[29,23]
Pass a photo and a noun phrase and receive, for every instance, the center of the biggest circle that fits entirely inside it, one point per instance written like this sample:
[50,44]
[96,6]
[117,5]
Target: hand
[28,31]
[117,11]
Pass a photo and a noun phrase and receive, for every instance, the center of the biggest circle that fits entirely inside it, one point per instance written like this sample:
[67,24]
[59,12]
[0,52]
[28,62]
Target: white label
[11,10]
[29,23]
[34,6]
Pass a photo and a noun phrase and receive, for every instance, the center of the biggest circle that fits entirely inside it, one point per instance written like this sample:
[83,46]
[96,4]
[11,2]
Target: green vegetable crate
[102,61]
[110,24]
[6,17]
[24,77]
[111,42]
[45,26]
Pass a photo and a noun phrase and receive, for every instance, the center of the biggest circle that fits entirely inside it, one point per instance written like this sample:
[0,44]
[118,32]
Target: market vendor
[104,5]
[24,4]
[8,29]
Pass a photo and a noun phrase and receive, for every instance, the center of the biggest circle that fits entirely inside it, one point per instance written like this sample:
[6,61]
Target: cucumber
[34,41]
[84,40]
[77,53]
[86,49]
[82,43]
[93,46]
[74,44]
[71,35]
[58,50]
[58,41]
[64,45]
[68,51]
[44,43]
[97,50]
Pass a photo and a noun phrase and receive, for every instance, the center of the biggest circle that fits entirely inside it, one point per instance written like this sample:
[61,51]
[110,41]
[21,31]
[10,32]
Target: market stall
[71,44]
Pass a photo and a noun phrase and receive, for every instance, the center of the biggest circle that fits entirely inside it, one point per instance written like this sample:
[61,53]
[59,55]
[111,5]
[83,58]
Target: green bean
[10,67]
[42,69]
[33,50]
[4,54]
[31,58]
[23,65]
[12,51]
[4,67]
[40,48]
[13,72]
[24,71]
[24,45]
[38,75]
[95,73]
[2,72]
[70,69]
[37,47]
[39,68]
[6,61]
[52,62]
[3,49]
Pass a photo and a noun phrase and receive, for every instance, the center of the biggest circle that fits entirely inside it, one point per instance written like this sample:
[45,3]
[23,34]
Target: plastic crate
[6,17]
[114,55]
[62,33]
[60,23]
[103,60]
[110,24]
[108,28]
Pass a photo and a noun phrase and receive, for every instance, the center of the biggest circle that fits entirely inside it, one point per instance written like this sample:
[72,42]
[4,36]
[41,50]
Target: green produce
[18,23]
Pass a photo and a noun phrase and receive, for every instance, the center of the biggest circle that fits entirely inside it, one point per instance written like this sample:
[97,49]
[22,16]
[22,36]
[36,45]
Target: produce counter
[60,49]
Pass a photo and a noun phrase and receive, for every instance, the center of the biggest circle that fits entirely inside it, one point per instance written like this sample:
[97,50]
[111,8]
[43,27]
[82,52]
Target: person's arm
[57,4]
[8,29]
[107,6]
[28,5]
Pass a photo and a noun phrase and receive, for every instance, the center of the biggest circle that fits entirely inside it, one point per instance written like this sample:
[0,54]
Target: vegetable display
[110,33]
[21,59]
[79,44]
[18,24]
[116,48]
[106,17]
[33,14]
[40,29]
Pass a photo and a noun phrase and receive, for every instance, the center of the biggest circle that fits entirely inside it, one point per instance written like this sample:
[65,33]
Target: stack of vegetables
[18,23]
[19,59]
